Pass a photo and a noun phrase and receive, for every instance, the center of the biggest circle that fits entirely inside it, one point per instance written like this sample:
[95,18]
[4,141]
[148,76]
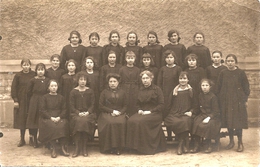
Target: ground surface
[11,155]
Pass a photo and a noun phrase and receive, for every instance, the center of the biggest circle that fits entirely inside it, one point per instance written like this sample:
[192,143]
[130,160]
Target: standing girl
[207,124]
[53,124]
[168,79]
[19,95]
[114,45]
[180,109]
[132,45]
[154,49]
[55,72]
[94,50]
[36,88]
[176,47]
[82,100]
[111,67]
[233,91]
[147,63]
[73,51]
[130,82]
[200,50]
[213,70]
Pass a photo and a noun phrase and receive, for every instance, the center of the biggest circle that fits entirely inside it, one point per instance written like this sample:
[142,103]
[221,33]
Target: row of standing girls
[167,79]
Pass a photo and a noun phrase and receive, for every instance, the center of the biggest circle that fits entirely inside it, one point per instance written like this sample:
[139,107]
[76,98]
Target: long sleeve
[102,102]
[214,107]
[43,108]
[160,78]
[73,104]
[160,102]
[30,88]
[92,102]
[208,58]
[14,88]
[245,85]
[63,108]
[63,57]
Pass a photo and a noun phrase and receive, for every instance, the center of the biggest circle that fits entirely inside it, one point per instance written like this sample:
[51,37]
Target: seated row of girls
[100,54]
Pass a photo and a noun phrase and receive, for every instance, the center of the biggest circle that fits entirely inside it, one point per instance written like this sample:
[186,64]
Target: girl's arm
[43,108]
[214,107]
[14,88]
[72,104]
[208,58]
[183,54]
[102,103]
[63,57]
[92,102]
[30,88]
[63,108]
[160,101]
[245,85]
[160,78]
[104,55]
[123,110]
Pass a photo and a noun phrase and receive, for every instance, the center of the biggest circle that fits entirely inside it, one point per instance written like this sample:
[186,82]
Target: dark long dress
[76,53]
[176,120]
[156,51]
[138,53]
[36,88]
[96,53]
[119,50]
[179,50]
[233,91]
[55,74]
[130,80]
[209,107]
[106,69]
[213,73]
[203,53]
[112,130]
[168,79]
[153,70]
[82,101]
[52,106]
[19,94]
[144,132]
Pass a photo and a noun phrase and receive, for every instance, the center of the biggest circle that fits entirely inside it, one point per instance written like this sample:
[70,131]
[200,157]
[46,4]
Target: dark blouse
[106,69]
[209,105]
[179,50]
[119,50]
[203,53]
[96,53]
[138,53]
[55,74]
[156,51]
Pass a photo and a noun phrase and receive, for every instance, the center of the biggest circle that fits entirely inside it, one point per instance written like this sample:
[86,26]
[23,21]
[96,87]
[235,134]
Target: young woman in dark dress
[154,48]
[147,63]
[36,88]
[144,128]
[233,91]
[112,120]
[114,45]
[180,109]
[178,48]
[111,67]
[203,53]
[132,45]
[53,124]
[207,124]
[19,95]
[82,100]
[73,51]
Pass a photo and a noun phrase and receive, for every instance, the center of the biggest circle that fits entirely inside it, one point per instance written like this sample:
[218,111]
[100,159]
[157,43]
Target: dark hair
[53,80]
[220,53]
[113,75]
[95,34]
[211,83]
[234,57]
[168,52]
[113,32]
[191,56]
[25,60]
[55,56]
[183,73]
[170,34]
[147,55]
[75,33]
[91,58]
[155,34]
[82,74]
[197,34]
[149,73]
[40,65]
[71,60]
[130,53]
[136,41]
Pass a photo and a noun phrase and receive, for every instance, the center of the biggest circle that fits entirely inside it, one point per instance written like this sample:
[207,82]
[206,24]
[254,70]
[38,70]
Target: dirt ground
[11,155]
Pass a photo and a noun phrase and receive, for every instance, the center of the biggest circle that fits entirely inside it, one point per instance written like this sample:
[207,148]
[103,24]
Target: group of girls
[114,85]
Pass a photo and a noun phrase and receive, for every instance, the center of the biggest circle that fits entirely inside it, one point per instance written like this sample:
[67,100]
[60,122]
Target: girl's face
[71,67]
[146,80]
[130,60]
[89,64]
[205,87]
[131,39]
[174,38]
[146,61]
[94,40]
[74,39]
[26,67]
[55,62]
[40,72]
[216,58]
[82,81]
[183,80]
[199,39]
[169,59]
[114,38]
[53,87]
[113,83]
[111,58]
[231,63]
[152,39]
[192,62]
